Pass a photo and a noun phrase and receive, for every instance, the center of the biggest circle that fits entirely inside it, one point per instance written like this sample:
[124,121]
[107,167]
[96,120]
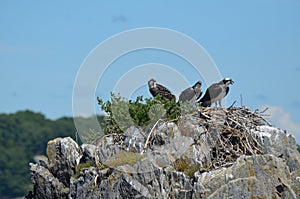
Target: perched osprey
[191,94]
[157,89]
[216,92]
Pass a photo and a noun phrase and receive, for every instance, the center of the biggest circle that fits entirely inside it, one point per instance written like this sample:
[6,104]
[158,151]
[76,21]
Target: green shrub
[122,113]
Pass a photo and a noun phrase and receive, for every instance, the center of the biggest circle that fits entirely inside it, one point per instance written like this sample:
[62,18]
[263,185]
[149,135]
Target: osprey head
[152,83]
[197,85]
[228,81]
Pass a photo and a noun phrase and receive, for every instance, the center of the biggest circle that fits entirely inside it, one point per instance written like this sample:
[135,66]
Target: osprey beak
[231,82]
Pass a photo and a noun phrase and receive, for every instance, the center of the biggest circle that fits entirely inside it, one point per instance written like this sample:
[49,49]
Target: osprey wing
[164,92]
[215,91]
[187,95]
[153,91]
[212,92]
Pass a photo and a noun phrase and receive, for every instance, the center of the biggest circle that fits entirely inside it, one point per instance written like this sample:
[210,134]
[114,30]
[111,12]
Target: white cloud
[282,119]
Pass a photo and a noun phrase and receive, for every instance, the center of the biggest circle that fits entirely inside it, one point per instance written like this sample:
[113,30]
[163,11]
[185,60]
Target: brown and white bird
[216,92]
[157,89]
[191,94]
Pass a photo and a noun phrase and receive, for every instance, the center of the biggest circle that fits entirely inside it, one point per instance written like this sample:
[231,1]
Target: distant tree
[22,136]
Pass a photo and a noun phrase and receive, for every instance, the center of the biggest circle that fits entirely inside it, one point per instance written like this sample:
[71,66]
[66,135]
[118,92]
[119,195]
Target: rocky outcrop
[259,176]
[52,176]
[213,153]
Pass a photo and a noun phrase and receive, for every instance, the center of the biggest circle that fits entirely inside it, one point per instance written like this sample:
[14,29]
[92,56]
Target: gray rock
[250,177]
[134,139]
[214,156]
[279,143]
[63,155]
[88,151]
[86,184]
[105,149]
[47,186]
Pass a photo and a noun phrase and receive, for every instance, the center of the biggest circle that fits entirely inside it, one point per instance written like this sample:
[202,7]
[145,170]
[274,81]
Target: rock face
[213,153]
[52,177]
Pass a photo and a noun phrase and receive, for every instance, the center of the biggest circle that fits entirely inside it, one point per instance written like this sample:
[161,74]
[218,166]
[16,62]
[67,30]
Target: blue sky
[256,43]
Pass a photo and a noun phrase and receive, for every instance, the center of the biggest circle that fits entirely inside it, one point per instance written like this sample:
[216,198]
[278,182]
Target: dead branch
[149,136]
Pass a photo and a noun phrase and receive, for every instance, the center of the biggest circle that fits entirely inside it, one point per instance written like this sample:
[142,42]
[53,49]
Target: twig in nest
[148,138]
[255,142]
[249,147]
[264,110]
[266,121]
[235,122]
[205,116]
[232,104]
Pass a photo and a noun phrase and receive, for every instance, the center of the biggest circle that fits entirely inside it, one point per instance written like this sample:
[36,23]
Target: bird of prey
[191,94]
[157,89]
[216,92]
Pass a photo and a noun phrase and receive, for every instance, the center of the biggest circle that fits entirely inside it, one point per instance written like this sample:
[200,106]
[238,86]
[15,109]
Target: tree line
[23,135]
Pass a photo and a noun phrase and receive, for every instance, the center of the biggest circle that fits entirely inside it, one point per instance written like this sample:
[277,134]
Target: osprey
[157,89]
[191,94]
[216,92]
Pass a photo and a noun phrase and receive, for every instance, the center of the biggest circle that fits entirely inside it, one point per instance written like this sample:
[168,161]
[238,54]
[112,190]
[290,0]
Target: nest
[229,133]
